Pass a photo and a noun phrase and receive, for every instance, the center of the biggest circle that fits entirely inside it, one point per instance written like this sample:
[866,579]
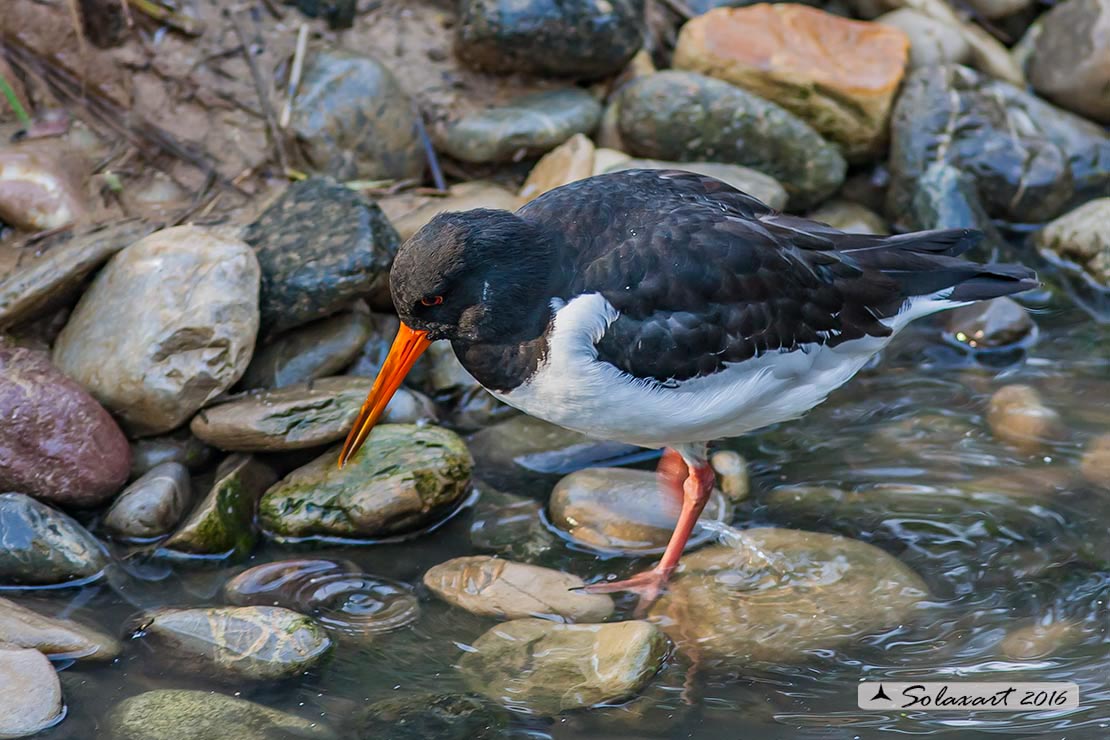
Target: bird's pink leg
[695,493]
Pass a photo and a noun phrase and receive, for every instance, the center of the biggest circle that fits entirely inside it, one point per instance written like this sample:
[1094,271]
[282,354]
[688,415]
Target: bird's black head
[474,276]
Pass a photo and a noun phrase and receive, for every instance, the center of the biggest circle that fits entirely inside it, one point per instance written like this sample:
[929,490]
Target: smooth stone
[50,280]
[43,547]
[527,126]
[763,187]
[685,116]
[946,197]
[606,160]
[732,474]
[37,189]
[1070,64]
[151,506]
[300,416]
[463,196]
[780,594]
[353,119]
[446,374]
[543,667]
[570,161]
[509,525]
[1095,463]
[30,693]
[1040,640]
[56,443]
[321,246]
[493,587]
[1001,322]
[851,217]
[61,639]
[476,408]
[1017,415]
[1080,238]
[840,76]
[402,479]
[222,524]
[622,510]
[190,342]
[177,714]
[1028,160]
[422,716]
[235,643]
[932,42]
[580,38]
[179,447]
[312,351]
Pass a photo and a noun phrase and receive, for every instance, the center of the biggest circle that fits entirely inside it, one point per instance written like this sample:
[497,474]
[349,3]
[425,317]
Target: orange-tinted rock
[838,75]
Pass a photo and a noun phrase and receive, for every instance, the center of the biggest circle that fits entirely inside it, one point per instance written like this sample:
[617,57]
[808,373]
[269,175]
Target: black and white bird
[665,309]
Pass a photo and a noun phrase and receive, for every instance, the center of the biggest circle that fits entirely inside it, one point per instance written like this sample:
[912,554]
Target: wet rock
[492,587]
[1095,464]
[753,182]
[528,126]
[37,189]
[43,547]
[190,342]
[1070,64]
[1080,238]
[56,443]
[838,75]
[1002,322]
[151,506]
[1040,639]
[31,291]
[476,408]
[180,447]
[684,116]
[1028,159]
[354,121]
[176,714]
[254,643]
[461,197]
[222,524]
[312,351]
[372,356]
[851,217]
[932,42]
[321,246]
[779,594]
[947,198]
[30,693]
[572,160]
[581,38]
[547,668]
[300,416]
[1018,416]
[61,639]
[446,374]
[509,525]
[732,474]
[422,716]
[403,478]
[620,510]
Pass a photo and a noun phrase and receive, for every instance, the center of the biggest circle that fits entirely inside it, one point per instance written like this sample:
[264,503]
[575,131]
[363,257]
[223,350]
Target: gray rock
[190,342]
[58,444]
[990,324]
[511,526]
[947,198]
[684,116]
[476,408]
[312,351]
[423,716]
[151,506]
[1080,239]
[321,246]
[175,714]
[756,184]
[932,41]
[30,693]
[1070,64]
[402,479]
[300,416]
[493,587]
[1028,159]
[581,38]
[528,126]
[354,121]
[180,447]
[547,668]
[43,547]
[61,639]
[254,643]
[446,373]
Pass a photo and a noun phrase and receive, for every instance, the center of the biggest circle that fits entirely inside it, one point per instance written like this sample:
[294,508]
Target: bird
[664,309]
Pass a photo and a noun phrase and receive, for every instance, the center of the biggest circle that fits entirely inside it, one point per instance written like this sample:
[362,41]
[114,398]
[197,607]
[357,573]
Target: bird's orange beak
[408,345]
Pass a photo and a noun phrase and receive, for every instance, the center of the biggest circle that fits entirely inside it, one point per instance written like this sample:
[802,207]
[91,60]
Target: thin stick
[429,151]
[126,8]
[295,75]
[183,23]
[263,93]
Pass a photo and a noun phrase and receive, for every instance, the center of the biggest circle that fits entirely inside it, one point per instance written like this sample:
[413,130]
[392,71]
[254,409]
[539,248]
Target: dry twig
[429,151]
[295,74]
[262,89]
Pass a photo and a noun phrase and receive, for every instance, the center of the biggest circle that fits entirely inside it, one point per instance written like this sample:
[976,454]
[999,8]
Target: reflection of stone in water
[336,593]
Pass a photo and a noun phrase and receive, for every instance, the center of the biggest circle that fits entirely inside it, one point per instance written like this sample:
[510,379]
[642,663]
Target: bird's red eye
[432,301]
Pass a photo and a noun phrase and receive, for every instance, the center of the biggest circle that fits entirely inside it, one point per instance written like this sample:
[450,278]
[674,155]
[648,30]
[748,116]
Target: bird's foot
[648,586]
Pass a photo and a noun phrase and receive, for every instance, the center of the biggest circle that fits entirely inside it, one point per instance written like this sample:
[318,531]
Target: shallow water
[912,428]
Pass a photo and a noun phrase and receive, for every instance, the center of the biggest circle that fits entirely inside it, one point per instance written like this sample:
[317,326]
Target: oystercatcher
[665,309]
